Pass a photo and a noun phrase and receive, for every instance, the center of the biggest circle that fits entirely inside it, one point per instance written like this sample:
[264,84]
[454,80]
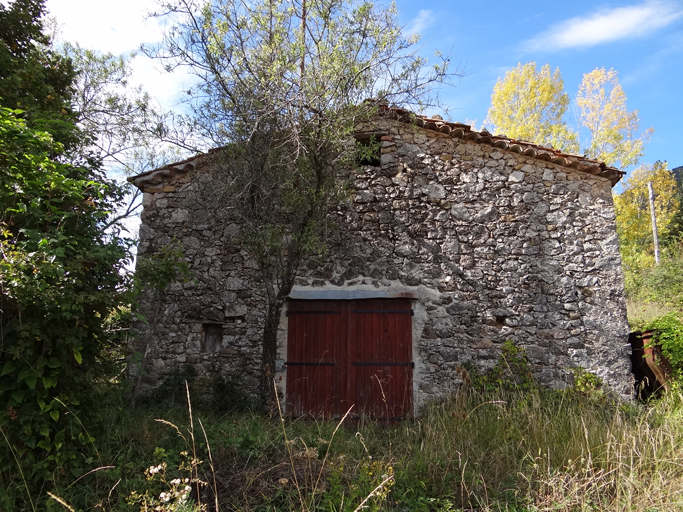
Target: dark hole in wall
[234,320]
[368,149]
[212,337]
[500,321]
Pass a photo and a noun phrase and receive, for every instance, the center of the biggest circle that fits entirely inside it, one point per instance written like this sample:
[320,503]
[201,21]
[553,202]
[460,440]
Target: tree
[61,269]
[123,127]
[33,77]
[635,232]
[529,105]
[281,83]
[613,129]
[59,276]
[633,212]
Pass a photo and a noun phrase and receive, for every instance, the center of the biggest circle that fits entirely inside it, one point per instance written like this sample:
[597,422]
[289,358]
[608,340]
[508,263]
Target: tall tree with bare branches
[281,84]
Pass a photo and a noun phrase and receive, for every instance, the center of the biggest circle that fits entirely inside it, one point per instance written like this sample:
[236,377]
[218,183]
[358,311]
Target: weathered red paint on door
[314,338]
[350,353]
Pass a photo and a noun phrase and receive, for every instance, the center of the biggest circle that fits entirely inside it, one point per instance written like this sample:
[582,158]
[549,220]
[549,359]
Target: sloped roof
[456,130]
[463,131]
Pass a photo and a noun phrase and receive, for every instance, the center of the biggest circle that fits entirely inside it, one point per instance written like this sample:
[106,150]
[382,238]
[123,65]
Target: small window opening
[212,337]
[234,320]
[500,321]
[368,149]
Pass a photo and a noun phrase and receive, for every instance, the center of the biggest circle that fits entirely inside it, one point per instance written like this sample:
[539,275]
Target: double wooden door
[345,354]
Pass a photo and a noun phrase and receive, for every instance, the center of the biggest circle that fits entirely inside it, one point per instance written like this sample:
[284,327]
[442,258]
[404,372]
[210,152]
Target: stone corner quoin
[490,244]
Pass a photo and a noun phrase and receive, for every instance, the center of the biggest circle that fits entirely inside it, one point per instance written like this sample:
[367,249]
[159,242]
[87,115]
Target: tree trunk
[653,215]
[274,309]
[272,321]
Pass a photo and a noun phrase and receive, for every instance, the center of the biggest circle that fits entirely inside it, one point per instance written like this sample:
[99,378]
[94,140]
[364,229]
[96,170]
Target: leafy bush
[668,334]
[512,371]
[162,268]
[60,276]
[587,384]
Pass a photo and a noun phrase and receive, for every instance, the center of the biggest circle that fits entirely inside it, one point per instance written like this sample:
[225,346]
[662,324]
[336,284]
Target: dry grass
[514,450]
[545,451]
[482,449]
[641,313]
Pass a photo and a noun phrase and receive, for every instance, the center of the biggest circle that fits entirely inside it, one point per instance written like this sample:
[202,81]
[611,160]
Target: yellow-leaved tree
[613,130]
[529,104]
[635,232]
[633,212]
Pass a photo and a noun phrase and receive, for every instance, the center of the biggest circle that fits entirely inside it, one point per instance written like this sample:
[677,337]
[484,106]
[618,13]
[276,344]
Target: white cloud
[423,20]
[168,89]
[115,27]
[607,25]
[119,28]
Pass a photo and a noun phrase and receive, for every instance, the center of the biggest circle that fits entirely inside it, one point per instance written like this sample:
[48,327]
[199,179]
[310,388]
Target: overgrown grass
[653,290]
[641,312]
[480,449]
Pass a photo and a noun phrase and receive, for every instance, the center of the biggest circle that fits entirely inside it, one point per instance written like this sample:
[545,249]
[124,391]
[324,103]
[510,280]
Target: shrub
[668,334]
[61,274]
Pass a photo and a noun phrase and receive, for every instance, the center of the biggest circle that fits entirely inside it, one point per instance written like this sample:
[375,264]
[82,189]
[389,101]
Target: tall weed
[485,448]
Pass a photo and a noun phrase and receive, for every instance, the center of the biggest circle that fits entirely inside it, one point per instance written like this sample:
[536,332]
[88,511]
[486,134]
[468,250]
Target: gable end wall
[493,246]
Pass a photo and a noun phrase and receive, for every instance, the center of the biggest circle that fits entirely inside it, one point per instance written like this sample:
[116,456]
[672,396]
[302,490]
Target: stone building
[453,242]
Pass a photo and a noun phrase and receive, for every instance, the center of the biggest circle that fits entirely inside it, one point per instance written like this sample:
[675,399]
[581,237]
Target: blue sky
[642,40]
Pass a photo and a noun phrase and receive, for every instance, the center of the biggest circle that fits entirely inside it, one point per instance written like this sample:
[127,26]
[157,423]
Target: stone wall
[494,245]
[222,290]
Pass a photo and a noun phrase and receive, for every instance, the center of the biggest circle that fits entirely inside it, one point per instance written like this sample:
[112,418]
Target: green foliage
[34,78]
[652,290]
[61,269]
[347,489]
[634,225]
[222,393]
[368,152]
[121,125]
[587,384]
[166,494]
[661,283]
[160,269]
[60,278]
[668,334]
[227,394]
[500,450]
[512,370]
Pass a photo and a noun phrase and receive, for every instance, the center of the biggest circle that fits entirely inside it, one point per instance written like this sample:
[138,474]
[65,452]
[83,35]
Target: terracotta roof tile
[463,131]
[457,130]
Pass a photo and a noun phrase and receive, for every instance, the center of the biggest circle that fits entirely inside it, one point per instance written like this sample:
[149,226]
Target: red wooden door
[313,344]
[344,353]
[379,345]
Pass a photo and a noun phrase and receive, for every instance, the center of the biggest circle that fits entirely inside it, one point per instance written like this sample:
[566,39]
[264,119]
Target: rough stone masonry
[494,239]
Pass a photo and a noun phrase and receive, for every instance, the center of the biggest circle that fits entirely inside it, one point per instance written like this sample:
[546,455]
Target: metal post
[653,215]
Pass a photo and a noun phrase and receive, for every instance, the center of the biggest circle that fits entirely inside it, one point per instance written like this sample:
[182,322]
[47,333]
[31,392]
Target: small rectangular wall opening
[235,320]
[500,321]
[368,149]
[212,337]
